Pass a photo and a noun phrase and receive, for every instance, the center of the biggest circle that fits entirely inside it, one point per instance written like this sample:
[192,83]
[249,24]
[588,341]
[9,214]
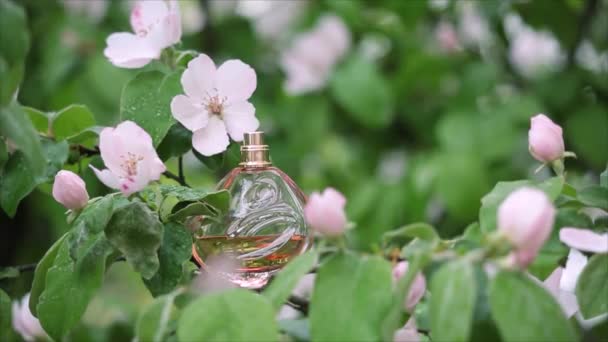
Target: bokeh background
[426,110]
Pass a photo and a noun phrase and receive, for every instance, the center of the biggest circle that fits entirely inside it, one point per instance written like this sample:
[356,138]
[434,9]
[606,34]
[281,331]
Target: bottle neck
[255,156]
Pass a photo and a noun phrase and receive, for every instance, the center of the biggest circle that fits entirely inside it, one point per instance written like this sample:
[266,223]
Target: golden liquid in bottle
[237,249]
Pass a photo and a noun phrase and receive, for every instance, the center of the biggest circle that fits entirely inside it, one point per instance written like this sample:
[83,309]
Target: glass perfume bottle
[264,228]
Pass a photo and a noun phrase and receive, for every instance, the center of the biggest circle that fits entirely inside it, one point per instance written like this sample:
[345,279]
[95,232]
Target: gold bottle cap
[254,153]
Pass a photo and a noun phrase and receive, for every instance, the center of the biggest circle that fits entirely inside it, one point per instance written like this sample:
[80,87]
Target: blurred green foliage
[415,133]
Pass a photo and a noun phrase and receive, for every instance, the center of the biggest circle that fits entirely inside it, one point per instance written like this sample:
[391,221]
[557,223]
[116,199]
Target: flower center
[129,163]
[214,104]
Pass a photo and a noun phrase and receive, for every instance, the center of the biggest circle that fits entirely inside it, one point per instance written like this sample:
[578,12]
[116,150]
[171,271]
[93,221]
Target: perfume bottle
[264,228]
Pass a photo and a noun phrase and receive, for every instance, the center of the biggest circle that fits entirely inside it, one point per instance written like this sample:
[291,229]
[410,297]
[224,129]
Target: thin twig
[85,151]
[26,267]
[180,169]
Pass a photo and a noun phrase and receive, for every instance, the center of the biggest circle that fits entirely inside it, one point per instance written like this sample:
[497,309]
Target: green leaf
[174,251]
[56,154]
[17,181]
[297,328]
[524,311]
[40,274]
[586,130]
[15,125]
[490,202]
[9,272]
[157,320]
[136,232]
[604,179]
[146,101]
[89,224]
[404,234]
[3,153]
[452,304]
[356,293]
[39,119]
[69,287]
[594,196]
[71,121]
[5,315]
[14,44]
[19,178]
[286,280]
[592,287]
[360,88]
[237,315]
[192,209]
[177,142]
[461,180]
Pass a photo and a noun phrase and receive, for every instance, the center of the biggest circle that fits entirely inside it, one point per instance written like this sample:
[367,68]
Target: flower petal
[192,115]
[112,149]
[239,119]
[584,240]
[127,50]
[107,177]
[146,13]
[574,266]
[198,80]
[166,33]
[212,139]
[236,80]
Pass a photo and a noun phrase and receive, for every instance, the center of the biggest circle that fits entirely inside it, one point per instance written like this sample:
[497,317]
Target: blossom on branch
[157,25]
[215,103]
[545,139]
[324,212]
[417,289]
[526,218]
[130,158]
[310,60]
[70,190]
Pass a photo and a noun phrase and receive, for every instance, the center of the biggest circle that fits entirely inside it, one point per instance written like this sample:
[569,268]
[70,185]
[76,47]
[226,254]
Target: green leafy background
[415,134]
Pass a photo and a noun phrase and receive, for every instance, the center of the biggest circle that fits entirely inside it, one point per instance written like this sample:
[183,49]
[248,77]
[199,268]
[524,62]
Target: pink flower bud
[69,189]
[545,139]
[325,212]
[525,218]
[416,290]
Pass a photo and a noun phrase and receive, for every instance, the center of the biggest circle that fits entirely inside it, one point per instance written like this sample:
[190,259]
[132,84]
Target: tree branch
[180,170]
[175,177]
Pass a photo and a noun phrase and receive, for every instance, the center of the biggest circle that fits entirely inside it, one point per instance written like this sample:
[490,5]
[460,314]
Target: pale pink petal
[166,33]
[147,13]
[107,177]
[198,80]
[336,34]
[192,115]
[127,50]
[239,119]
[212,139]
[584,240]
[574,266]
[334,197]
[566,299]
[236,80]
[134,139]
[113,149]
[325,213]
[552,281]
